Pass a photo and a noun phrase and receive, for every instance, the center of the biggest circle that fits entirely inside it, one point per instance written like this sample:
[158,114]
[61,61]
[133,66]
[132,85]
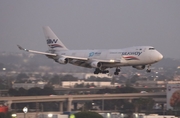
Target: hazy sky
[92,24]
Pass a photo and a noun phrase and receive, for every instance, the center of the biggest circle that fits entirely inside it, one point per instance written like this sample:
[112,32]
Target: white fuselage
[140,55]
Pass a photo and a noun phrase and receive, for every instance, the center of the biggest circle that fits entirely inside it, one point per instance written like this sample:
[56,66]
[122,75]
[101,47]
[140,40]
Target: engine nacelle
[96,64]
[139,67]
[63,60]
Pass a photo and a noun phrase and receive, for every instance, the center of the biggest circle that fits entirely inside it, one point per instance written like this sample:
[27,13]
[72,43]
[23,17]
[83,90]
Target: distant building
[68,84]
[135,115]
[156,83]
[87,75]
[29,85]
[97,75]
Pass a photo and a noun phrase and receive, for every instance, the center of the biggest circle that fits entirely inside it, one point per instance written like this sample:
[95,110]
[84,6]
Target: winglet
[21,48]
[37,52]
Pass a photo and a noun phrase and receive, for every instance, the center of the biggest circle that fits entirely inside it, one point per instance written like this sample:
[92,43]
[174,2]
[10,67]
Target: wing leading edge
[69,57]
[37,52]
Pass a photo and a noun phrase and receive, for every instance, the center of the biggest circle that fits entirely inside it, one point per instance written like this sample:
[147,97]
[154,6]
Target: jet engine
[96,64]
[63,60]
[139,67]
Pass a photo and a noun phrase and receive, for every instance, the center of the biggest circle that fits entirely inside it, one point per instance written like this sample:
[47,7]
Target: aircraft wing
[81,59]
[37,52]
[86,59]
[107,60]
[52,54]
[73,57]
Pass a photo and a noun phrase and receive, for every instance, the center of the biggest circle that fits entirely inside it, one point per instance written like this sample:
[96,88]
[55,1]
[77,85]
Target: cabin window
[151,48]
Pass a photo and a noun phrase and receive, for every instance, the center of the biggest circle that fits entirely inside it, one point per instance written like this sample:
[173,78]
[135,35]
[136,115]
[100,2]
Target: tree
[69,78]
[87,114]
[22,92]
[134,79]
[22,76]
[56,80]
[140,104]
[48,91]
[34,91]
[79,85]
[86,106]
[5,115]
[137,104]
[12,92]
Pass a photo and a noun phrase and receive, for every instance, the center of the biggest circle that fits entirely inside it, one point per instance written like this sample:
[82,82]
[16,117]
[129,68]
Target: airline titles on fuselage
[121,53]
[131,53]
[94,54]
[127,53]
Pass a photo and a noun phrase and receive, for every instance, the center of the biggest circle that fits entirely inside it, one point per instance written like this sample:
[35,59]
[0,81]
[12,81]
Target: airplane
[139,57]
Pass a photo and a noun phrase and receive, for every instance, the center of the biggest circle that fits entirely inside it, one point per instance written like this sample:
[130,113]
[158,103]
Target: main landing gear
[148,69]
[97,71]
[117,71]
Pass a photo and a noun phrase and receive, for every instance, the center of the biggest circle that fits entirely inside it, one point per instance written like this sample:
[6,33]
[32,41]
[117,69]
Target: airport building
[157,83]
[29,85]
[71,84]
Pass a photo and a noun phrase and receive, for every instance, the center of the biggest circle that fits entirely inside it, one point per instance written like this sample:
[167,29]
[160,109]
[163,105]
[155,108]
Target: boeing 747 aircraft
[139,57]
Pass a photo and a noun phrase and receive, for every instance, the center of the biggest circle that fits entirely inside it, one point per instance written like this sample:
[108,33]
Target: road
[22,99]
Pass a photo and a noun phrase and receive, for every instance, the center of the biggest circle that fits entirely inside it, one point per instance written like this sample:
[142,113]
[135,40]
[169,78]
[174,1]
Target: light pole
[25,110]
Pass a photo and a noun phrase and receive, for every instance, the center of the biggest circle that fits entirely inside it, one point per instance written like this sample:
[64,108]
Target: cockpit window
[151,48]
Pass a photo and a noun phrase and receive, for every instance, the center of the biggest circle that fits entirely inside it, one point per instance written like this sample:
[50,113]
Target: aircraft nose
[160,56]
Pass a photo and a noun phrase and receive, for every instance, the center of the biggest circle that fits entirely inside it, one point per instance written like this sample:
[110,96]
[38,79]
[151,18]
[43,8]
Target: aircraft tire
[116,73]
[118,70]
[148,70]
[105,71]
[95,72]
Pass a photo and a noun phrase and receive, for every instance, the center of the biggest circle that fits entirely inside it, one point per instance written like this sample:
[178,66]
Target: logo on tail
[52,43]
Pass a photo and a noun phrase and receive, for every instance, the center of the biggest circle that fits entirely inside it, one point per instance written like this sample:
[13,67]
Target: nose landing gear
[148,69]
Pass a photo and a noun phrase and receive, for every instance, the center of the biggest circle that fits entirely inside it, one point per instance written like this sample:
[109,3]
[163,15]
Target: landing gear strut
[117,71]
[97,71]
[148,69]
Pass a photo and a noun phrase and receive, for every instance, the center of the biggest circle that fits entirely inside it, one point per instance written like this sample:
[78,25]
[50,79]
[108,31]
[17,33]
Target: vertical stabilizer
[53,41]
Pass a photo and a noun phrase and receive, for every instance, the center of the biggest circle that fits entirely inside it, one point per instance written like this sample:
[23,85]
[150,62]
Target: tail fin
[53,41]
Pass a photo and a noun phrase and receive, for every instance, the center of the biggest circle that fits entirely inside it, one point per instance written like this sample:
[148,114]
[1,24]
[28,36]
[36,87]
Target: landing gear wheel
[118,70]
[116,73]
[105,71]
[97,71]
[148,70]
